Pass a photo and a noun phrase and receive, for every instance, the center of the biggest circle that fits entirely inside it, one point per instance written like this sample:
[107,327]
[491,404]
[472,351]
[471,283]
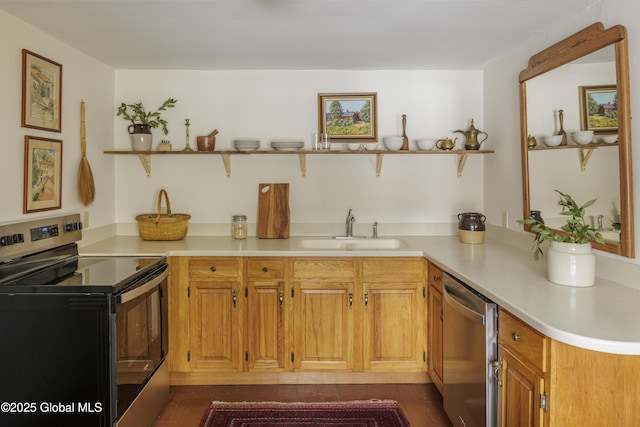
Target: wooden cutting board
[273,211]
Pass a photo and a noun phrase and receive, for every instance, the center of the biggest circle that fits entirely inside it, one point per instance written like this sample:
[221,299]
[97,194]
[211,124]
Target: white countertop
[604,317]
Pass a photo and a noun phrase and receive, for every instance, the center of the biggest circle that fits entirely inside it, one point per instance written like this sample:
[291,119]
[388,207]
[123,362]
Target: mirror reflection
[576,132]
[568,170]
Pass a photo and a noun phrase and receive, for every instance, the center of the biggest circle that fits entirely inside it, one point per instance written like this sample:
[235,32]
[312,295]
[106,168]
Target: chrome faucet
[600,218]
[350,220]
[375,230]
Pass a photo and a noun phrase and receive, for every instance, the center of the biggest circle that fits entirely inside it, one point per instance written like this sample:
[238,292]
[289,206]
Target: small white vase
[141,141]
[571,264]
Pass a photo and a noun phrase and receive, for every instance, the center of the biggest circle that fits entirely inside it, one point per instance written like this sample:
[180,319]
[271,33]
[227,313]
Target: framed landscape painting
[41,92]
[348,117]
[42,174]
[599,108]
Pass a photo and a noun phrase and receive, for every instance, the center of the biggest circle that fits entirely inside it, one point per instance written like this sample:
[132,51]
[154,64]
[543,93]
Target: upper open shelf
[145,156]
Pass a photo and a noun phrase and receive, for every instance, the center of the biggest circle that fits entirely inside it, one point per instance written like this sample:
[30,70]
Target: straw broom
[86,187]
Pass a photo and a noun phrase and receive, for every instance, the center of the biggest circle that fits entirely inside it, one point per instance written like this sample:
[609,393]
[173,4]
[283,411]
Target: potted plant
[570,260]
[142,121]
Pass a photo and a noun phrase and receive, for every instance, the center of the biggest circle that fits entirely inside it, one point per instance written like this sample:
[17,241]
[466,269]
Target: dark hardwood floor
[421,403]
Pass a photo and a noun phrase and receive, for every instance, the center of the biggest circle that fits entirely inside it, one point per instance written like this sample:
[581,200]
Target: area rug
[360,413]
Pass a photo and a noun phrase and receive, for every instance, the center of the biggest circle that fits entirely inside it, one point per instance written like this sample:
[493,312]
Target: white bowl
[392,142]
[552,141]
[582,137]
[609,139]
[425,143]
[353,146]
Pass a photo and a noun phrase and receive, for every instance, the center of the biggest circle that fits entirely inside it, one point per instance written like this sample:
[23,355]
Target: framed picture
[599,108]
[42,174]
[41,92]
[348,117]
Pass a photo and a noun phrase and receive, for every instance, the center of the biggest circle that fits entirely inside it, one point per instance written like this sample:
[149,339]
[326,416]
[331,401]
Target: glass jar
[239,227]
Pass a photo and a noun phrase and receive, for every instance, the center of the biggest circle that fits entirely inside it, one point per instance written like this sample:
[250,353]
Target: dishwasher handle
[454,296]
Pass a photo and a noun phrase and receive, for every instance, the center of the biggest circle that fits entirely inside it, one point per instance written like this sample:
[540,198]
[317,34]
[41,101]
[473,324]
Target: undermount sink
[353,244]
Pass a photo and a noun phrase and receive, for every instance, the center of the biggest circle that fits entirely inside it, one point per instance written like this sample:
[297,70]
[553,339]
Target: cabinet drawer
[393,269]
[524,340]
[321,269]
[213,268]
[258,268]
[434,276]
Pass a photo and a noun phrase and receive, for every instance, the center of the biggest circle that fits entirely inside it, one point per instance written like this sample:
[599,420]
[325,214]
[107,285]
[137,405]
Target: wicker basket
[159,226]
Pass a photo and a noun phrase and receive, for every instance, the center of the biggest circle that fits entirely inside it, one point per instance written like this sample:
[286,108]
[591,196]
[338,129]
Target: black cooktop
[71,274]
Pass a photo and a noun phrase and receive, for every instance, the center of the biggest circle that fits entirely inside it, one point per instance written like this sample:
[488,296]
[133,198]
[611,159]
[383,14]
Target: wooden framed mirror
[552,88]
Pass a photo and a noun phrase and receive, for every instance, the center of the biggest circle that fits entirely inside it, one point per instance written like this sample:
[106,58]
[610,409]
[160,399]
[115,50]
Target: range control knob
[6,240]
[73,226]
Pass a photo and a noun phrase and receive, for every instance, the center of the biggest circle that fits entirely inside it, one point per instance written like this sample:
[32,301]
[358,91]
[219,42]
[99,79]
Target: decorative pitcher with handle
[472,135]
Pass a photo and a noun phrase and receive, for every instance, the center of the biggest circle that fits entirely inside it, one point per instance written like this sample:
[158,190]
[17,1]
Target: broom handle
[83,142]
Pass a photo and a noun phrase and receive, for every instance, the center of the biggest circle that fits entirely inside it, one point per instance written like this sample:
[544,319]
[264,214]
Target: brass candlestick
[188,147]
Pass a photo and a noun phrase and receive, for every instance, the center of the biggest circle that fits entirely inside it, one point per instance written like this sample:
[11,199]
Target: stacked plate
[246,144]
[286,144]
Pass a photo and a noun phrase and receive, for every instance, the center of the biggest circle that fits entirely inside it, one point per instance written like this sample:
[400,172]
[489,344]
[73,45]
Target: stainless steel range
[83,339]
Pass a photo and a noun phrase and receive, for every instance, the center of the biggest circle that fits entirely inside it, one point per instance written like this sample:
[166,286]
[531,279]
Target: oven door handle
[453,296]
[144,288]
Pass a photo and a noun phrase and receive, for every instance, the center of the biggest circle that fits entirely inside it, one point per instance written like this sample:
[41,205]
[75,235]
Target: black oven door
[141,334]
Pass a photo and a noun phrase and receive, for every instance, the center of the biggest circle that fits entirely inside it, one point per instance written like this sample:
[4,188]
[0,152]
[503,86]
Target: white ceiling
[295,34]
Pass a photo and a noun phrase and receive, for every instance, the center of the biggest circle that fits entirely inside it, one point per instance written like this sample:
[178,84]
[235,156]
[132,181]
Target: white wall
[502,109]
[82,78]
[283,104]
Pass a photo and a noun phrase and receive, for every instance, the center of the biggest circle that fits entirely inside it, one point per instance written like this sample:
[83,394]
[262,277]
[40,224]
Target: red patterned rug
[360,413]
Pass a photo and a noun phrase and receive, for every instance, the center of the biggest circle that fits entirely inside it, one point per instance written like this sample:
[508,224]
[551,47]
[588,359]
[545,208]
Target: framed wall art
[41,92]
[348,117]
[599,108]
[42,174]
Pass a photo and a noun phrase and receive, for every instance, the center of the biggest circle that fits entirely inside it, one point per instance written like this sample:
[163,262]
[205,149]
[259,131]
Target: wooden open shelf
[145,156]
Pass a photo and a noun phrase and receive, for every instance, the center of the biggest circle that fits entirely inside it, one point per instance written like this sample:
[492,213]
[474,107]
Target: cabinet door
[265,314]
[394,330]
[265,325]
[216,326]
[520,388]
[323,326]
[435,337]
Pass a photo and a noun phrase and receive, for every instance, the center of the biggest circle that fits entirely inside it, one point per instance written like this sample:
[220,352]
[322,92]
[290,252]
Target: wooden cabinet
[265,288]
[310,319]
[215,314]
[394,320]
[323,323]
[434,279]
[523,354]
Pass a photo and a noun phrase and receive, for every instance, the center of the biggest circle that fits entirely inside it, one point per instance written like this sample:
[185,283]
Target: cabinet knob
[213,269]
[265,269]
[436,278]
[515,336]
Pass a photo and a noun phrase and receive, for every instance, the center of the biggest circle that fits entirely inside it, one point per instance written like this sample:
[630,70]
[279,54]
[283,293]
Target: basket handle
[166,198]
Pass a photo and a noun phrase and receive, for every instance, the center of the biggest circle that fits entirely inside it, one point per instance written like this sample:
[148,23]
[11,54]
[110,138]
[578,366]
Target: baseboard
[243,378]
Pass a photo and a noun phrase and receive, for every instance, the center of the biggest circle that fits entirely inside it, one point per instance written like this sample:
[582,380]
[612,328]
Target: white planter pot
[141,141]
[571,264]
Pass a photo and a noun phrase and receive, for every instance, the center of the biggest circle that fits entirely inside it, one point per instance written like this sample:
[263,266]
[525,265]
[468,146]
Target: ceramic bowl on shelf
[552,141]
[609,139]
[353,146]
[392,142]
[582,137]
[425,144]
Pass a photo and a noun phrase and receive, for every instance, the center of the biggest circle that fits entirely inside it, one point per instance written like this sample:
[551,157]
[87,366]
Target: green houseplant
[137,115]
[570,260]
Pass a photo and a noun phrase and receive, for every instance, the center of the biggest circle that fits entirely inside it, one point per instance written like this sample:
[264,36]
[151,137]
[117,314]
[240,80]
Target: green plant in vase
[576,230]
[138,115]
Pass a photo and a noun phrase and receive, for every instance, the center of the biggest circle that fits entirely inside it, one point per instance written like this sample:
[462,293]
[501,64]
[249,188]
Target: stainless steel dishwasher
[470,347]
